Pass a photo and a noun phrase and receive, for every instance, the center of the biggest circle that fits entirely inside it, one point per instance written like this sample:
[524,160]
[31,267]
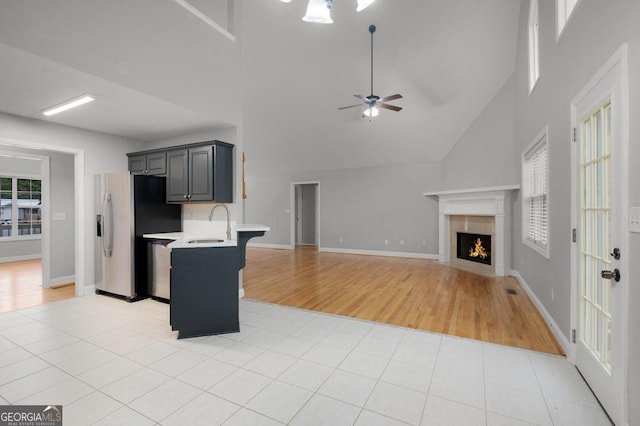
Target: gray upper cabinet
[177,176]
[148,164]
[195,172]
[200,173]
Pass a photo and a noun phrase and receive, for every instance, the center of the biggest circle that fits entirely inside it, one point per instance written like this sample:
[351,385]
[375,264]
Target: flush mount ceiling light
[72,103]
[319,11]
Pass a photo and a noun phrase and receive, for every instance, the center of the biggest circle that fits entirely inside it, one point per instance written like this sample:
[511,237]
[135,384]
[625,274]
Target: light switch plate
[634,219]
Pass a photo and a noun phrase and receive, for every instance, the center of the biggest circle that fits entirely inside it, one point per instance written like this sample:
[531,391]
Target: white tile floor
[109,362]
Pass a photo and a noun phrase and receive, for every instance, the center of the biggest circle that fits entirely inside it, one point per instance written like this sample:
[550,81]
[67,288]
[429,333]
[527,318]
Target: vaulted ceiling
[160,72]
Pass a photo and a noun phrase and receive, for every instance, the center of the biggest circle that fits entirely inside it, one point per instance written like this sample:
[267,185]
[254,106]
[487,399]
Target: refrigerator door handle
[107,228]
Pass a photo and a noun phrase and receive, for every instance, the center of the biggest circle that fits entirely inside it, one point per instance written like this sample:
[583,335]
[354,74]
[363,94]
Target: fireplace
[474,247]
[459,209]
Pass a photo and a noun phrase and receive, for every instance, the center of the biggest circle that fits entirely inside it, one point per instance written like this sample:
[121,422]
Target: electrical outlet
[386,242]
[401,242]
[634,219]
[424,243]
[552,293]
[341,239]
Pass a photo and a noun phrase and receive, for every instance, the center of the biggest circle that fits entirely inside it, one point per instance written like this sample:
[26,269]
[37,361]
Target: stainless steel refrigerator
[127,207]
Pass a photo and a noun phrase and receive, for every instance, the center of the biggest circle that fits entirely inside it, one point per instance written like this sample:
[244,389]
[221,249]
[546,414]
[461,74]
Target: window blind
[535,194]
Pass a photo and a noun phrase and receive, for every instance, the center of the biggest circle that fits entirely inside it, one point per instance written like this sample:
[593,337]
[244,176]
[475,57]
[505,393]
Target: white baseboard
[562,339]
[353,251]
[273,246]
[62,280]
[380,253]
[19,258]
[241,293]
[90,289]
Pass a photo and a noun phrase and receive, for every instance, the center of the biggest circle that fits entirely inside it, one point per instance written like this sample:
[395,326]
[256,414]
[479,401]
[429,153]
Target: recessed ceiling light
[72,103]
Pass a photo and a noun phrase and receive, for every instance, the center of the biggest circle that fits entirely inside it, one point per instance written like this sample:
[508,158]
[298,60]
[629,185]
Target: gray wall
[487,154]
[364,207]
[594,33]
[62,202]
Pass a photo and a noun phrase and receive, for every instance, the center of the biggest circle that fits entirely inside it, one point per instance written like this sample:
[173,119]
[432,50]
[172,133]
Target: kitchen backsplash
[195,219]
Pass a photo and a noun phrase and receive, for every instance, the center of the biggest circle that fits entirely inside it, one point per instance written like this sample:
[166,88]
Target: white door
[599,117]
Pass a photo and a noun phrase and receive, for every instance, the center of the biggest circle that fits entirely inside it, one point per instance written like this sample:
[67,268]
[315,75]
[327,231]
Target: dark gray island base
[204,291]
[243,239]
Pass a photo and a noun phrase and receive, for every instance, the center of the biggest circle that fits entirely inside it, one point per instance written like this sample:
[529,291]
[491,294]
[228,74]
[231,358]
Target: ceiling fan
[372,101]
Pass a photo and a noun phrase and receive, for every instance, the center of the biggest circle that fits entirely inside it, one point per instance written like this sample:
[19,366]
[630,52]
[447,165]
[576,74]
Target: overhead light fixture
[363,4]
[72,103]
[371,111]
[319,11]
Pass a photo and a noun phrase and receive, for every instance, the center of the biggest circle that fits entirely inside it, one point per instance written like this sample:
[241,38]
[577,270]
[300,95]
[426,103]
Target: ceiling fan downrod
[372,29]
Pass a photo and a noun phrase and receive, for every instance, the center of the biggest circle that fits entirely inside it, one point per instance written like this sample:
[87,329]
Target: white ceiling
[157,73]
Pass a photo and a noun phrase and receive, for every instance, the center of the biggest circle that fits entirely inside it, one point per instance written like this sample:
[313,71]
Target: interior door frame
[294,211]
[79,199]
[616,69]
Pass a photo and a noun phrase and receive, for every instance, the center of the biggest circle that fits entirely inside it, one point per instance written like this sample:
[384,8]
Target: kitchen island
[204,280]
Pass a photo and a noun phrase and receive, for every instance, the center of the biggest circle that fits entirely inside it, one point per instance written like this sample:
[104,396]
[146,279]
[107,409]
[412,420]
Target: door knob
[608,275]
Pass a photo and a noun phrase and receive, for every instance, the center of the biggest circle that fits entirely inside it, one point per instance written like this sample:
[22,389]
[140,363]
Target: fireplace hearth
[474,247]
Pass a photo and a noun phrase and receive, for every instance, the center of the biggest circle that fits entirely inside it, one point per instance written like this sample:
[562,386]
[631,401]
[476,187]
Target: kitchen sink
[205,241]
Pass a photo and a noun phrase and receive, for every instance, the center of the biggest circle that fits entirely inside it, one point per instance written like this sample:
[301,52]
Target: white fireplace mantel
[491,201]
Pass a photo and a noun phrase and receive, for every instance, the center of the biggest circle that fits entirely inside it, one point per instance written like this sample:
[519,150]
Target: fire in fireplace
[474,247]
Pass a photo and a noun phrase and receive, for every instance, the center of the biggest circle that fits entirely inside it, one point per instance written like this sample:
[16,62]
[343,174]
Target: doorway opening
[51,277]
[305,217]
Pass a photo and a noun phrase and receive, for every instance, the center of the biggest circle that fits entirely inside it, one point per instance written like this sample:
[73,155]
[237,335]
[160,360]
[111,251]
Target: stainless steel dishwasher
[160,269]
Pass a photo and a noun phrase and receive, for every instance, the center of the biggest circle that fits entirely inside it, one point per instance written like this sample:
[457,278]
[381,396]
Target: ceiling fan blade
[362,98]
[350,106]
[391,107]
[391,98]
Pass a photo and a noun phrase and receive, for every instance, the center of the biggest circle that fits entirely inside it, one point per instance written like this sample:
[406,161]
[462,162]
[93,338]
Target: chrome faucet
[228,219]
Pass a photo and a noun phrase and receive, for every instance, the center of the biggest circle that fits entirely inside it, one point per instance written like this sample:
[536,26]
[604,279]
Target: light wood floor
[414,293]
[21,286]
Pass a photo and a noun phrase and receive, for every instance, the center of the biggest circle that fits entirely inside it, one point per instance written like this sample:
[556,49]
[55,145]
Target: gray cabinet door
[157,163]
[138,164]
[201,173]
[148,164]
[223,173]
[177,176]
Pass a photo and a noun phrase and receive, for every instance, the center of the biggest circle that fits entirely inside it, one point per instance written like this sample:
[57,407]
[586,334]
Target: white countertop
[243,227]
[185,240]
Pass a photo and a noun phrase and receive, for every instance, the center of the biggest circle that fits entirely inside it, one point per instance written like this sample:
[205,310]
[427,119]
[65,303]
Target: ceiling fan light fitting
[371,112]
[318,11]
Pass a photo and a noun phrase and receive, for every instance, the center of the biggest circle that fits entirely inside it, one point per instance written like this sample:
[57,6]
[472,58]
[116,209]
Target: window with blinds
[535,194]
